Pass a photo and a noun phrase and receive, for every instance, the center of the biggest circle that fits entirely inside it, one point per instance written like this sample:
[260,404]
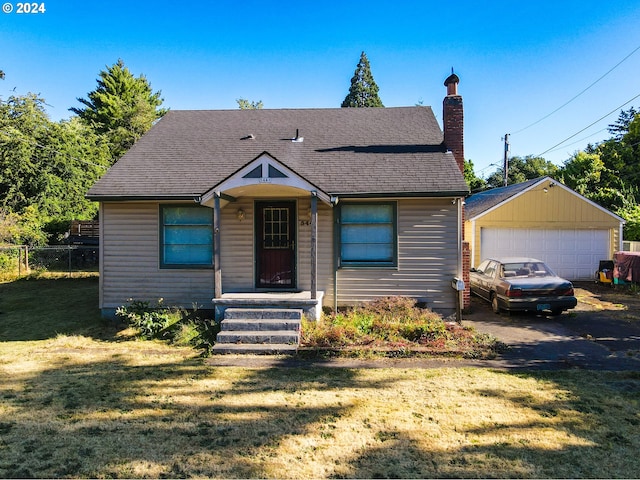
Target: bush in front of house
[177,325]
[393,325]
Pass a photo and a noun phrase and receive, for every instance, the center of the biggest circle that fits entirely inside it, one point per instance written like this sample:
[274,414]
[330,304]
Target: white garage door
[572,254]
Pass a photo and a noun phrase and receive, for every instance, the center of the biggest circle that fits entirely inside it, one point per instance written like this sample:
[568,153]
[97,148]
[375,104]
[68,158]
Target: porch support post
[217,270]
[314,245]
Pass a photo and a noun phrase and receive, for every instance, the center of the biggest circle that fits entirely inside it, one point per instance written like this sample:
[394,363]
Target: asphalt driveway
[602,332]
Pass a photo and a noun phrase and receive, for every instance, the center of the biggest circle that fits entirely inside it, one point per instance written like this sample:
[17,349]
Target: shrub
[394,326]
[8,264]
[149,321]
[388,319]
[177,325]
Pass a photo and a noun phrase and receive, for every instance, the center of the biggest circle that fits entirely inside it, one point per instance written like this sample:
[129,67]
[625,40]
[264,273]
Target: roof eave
[447,194]
[134,198]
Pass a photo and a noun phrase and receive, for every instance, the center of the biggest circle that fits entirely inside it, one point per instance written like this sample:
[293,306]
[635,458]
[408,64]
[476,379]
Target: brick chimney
[453,120]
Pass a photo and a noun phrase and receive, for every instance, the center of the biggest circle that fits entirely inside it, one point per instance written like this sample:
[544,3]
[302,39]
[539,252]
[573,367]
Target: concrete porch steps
[259,331]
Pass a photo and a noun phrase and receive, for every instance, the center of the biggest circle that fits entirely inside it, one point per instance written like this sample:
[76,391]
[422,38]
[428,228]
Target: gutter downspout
[459,202]
[314,245]
[460,293]
[621,239]
[217,269]
[336,232]
[473,243]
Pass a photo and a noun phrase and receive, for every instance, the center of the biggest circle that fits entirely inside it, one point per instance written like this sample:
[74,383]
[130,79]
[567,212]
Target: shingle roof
[345,151]
[481,202]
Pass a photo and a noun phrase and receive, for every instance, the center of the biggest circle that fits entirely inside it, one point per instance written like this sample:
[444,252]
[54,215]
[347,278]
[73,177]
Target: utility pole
[506,159]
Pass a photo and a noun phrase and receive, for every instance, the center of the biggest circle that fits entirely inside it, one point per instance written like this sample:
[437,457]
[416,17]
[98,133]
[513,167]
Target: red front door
[275,244]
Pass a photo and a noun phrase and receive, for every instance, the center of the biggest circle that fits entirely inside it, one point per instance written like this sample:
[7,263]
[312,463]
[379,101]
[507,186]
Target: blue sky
[517,61]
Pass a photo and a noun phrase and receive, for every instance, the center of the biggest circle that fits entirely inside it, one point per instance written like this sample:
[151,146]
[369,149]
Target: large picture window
[186,236]
[368,234]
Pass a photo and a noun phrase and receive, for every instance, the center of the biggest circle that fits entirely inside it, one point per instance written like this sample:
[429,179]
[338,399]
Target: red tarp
[627,266]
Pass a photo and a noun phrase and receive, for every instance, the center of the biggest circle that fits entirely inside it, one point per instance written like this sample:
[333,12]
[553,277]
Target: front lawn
[83,401]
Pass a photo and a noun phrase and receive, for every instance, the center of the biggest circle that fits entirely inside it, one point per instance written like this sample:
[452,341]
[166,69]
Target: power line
[589,126]
[583,91]
[580,140]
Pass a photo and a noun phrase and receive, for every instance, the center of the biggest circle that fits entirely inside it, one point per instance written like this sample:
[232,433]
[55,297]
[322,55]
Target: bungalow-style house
[313,207]
[542,218]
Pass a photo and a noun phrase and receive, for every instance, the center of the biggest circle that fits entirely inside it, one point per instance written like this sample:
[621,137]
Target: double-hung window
[186,236]
[368,234]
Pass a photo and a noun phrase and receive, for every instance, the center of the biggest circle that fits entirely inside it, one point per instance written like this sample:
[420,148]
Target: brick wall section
[453,125]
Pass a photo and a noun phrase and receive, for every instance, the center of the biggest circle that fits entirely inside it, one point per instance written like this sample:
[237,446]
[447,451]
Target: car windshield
[526,269]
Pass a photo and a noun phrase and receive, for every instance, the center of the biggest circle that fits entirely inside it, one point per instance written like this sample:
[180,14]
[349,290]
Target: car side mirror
[473,270]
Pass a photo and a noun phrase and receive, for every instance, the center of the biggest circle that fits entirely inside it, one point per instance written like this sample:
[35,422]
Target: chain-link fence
[22,260]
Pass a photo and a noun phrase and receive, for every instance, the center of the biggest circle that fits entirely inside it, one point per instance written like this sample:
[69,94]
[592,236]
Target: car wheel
[556,311]
[494,303]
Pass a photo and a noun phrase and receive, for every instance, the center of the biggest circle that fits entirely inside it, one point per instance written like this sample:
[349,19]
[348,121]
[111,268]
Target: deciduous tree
[476,184]
[244,104]
[522,169]
[46,167]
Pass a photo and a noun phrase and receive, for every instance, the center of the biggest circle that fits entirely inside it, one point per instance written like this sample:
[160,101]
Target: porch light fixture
[240,214]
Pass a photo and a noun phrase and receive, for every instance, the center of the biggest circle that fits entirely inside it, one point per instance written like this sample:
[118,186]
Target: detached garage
[543,219]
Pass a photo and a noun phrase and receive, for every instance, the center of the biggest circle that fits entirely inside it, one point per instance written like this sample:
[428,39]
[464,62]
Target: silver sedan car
[521,284]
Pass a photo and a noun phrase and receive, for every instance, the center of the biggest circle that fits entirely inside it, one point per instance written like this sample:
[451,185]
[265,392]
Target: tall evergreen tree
[122,107]
[621,126]
[363,91]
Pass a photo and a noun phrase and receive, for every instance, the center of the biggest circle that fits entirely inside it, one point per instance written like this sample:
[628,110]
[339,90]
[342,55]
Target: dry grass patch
[78,401]
[78,407]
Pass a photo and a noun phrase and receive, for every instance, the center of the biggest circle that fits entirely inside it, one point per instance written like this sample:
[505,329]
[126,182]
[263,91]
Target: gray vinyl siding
[427,259]
[130,262]
[236,247]
[325,248]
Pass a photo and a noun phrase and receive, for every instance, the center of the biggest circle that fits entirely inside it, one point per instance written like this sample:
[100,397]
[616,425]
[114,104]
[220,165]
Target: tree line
[607,173]
[46,167]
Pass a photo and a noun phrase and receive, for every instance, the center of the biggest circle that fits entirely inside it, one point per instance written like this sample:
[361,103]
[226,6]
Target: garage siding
[572,254]
[550,221]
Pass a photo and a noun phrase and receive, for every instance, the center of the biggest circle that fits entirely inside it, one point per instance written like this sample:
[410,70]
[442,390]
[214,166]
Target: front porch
[263,322]
[302,300]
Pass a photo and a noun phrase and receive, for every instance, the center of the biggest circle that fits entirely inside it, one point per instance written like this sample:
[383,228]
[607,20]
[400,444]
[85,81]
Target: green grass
[80,400]
[36,308]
